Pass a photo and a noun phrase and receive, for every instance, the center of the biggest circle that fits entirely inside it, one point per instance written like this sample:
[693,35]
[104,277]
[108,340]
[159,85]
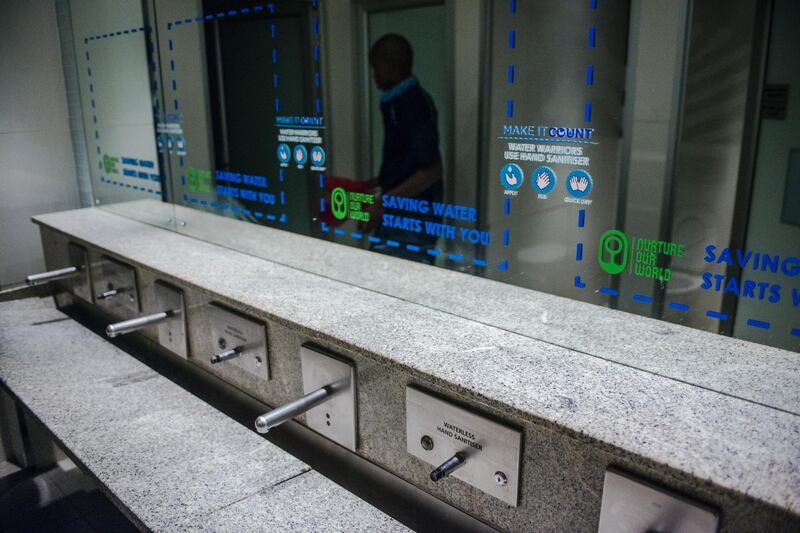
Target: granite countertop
[168,459]
[741,445]
[724,364]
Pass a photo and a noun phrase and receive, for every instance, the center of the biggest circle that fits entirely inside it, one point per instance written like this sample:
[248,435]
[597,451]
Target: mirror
[637,156]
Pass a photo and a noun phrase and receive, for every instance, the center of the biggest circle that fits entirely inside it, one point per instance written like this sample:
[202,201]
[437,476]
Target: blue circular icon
[579,183]
[300,154]
[543,180]
[317,156]
[284,154]
[511,176]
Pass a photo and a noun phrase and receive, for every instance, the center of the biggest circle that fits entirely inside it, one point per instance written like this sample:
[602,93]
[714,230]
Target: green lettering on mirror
[110,164]
[199,180]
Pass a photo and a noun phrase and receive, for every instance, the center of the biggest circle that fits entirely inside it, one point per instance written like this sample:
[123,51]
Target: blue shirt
[411,136]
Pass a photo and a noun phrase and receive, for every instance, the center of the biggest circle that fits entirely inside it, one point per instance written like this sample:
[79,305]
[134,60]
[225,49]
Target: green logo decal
[339,203]
[612,254]
[198,180]
[110,164]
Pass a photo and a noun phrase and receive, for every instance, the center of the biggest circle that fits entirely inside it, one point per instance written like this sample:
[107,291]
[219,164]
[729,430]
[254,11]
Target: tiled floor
[59,499]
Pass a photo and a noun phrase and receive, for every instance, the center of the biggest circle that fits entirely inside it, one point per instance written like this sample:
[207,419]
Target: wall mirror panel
[634,155]
[115,62]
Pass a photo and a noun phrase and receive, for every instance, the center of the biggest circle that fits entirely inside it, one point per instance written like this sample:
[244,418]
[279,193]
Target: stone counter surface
[721,440]
[723,364]
[169,460]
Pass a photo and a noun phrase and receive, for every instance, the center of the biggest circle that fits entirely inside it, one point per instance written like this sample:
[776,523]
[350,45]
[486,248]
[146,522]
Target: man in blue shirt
[412,164]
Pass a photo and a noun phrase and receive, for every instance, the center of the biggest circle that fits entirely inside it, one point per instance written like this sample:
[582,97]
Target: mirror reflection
[617,153]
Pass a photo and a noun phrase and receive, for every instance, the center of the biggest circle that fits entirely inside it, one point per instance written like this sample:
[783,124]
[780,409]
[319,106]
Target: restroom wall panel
[37,169]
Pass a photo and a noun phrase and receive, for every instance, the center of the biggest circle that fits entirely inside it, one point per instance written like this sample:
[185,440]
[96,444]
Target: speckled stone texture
[727,365]
[579,413]
[309,502]
[163,455]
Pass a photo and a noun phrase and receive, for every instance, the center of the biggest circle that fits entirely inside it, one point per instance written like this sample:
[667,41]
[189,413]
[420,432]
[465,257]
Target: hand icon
[316,156]
[284,155]
[579,184]
[511,177]
[298,155]
[542,180]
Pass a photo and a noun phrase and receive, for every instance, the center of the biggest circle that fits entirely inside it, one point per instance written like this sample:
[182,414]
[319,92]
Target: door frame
[363,85]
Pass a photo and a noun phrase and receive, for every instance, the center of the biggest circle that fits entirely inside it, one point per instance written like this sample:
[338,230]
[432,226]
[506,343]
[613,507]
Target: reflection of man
[412,165]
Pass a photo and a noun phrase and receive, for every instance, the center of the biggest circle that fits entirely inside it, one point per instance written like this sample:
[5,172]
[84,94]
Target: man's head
[391,59]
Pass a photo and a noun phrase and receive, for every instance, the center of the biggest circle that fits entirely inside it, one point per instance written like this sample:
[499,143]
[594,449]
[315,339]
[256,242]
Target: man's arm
[418,182]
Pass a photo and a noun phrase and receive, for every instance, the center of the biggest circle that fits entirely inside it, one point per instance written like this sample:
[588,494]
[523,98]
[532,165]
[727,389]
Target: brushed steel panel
[172,332]
[631,505]
[492,449]
[229,330]
[110,274]
[82,284]
[335,419]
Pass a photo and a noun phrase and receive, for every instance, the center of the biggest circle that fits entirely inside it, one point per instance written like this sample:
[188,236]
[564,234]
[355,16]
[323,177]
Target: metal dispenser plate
[229,330]
[336,418]
[82,284]
[436,430]
[631,505]
[171,333]
[116,275]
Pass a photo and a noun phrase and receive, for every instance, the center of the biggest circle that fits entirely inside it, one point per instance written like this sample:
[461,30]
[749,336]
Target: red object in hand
[348,184]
